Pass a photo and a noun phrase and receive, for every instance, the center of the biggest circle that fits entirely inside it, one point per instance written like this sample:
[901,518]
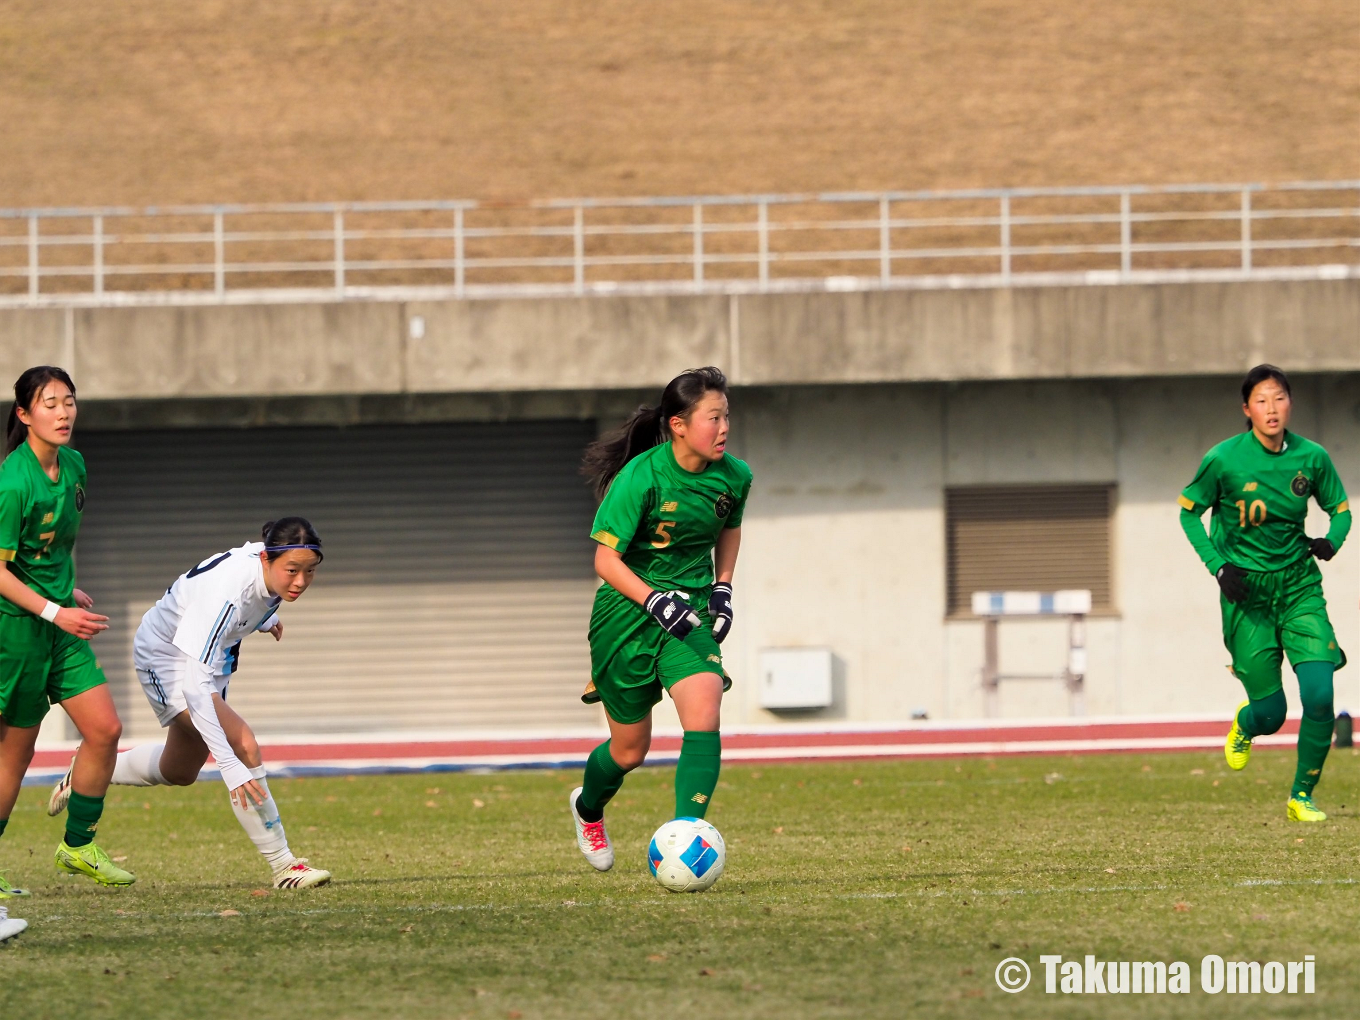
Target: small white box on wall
[795,678]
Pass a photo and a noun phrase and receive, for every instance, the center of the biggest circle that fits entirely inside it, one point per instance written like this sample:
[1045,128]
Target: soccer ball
[687,855]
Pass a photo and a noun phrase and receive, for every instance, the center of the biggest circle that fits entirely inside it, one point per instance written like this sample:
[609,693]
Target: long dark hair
[290,533]
[1260,374]
[648,426]
[26,390]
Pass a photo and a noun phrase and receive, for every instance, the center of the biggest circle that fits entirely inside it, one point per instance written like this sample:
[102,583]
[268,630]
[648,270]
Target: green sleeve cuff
[1199,538]
[1341,527]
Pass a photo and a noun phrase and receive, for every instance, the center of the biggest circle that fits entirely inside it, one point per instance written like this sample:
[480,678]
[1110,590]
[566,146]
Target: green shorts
[40,664]
[632,659]
[1285,613]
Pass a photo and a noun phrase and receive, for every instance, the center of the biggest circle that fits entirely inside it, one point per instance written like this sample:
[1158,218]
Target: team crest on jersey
[80,498]
[722,506]
[1300,486]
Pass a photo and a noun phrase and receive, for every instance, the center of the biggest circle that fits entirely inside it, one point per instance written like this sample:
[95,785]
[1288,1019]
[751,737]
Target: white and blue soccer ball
[687,855]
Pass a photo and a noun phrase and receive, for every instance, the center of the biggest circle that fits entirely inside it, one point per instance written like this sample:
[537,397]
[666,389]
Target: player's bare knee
[179,777]
[102,734]
[629,758]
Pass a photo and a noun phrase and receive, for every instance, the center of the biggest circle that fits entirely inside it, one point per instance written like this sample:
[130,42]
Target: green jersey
[1259,500]
[39,519]
[665,520]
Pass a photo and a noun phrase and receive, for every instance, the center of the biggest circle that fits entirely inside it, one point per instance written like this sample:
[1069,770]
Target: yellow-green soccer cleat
[92,862]
[7,891]
[1301,809]
[1237,748]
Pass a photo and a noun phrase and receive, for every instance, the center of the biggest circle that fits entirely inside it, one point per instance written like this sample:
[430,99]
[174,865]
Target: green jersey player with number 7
[1258,485]
[668,530]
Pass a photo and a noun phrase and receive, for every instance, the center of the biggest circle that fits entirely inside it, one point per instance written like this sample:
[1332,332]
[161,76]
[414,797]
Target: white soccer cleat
[592,838]
[61,793]
[10,926]
[300,875]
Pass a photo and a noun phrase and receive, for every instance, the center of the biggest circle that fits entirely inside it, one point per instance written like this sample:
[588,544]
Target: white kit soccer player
[185,651]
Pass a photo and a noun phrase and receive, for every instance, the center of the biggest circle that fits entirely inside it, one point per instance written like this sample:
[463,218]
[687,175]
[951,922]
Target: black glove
[676,618]
[1233,581]
[1322,548]
[720,609]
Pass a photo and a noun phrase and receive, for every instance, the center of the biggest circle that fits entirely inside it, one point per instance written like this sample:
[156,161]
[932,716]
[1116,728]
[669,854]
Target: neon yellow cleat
[1237,748]
[7,891]
[92,862]
[1301,809]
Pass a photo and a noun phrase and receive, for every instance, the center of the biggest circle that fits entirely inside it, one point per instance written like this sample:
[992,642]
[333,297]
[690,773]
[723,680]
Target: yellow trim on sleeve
[1343,506]
[7,555]
[1186,504]
[605,538]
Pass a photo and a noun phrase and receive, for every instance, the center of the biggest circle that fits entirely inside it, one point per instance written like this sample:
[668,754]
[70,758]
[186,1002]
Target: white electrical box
[795,678]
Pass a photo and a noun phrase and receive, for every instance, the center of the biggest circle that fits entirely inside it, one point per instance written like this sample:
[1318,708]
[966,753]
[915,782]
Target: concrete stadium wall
[195,351]
[856,411]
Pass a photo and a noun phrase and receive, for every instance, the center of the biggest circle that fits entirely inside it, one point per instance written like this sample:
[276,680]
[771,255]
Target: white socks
[140,766]
[263,826]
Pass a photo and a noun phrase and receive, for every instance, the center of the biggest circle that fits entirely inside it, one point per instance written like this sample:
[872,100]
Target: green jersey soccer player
[668,530]
[1257,486]
[45,623]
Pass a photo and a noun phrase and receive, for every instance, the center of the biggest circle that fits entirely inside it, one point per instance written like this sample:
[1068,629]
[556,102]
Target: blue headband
[285,548]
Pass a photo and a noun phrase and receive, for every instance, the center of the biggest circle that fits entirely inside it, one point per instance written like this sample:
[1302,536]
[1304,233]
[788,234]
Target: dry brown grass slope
[148,101]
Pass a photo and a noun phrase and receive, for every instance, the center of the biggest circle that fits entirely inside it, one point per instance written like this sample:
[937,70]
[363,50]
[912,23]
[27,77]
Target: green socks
[696,775]
[1262,716]
[603,779]
[1315,728]
[82,819]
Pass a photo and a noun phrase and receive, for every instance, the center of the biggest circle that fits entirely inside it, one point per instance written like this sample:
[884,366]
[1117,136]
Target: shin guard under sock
[604,776]
[1315,728]
[141,766]
[1262,716]
[696,774]
[263,826]
[82,818]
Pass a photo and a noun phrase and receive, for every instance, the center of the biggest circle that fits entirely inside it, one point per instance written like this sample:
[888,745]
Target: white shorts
[163,687]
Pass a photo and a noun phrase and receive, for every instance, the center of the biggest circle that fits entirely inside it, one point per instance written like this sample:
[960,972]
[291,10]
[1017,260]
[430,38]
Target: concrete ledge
[375,347]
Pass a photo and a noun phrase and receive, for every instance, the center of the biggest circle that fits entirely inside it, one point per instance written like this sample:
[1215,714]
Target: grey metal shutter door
[1028,538]
[455,592]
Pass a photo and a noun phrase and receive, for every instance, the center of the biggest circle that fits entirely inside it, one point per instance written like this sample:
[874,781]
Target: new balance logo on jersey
[1249,487]
[671,507]
[49,517]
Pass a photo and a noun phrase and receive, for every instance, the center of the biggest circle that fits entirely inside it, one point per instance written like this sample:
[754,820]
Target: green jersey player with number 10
[1258,485]
[668,530]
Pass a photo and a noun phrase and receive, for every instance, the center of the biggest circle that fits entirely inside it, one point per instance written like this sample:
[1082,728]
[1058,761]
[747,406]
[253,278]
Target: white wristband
[50,612]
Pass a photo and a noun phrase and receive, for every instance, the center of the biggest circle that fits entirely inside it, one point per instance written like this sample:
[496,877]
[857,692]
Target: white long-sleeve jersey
[195,630]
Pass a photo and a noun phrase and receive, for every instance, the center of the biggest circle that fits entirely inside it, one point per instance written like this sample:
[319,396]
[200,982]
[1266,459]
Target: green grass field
[868,889]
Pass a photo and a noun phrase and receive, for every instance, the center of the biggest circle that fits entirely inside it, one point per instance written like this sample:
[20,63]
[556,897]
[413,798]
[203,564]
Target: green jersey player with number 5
[668,530]
[1258,485]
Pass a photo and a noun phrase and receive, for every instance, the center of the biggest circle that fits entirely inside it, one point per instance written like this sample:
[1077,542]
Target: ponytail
[648,426]
[26,390]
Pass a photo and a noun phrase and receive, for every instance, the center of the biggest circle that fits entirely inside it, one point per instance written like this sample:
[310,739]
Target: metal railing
[713,243]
